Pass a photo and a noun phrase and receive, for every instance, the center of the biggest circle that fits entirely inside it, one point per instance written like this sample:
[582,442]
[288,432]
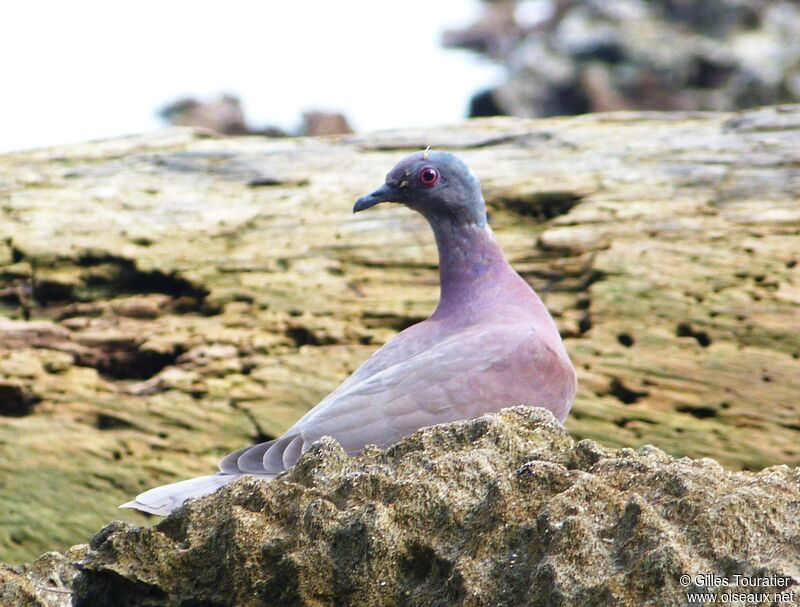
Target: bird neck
[471,265]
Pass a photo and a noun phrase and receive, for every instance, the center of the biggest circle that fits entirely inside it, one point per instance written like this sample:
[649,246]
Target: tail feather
[163,500]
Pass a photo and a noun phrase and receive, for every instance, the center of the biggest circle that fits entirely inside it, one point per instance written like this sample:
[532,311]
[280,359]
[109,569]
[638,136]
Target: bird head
[437,184]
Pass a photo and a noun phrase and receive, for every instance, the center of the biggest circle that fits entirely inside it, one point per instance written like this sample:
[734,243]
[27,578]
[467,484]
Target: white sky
[86,69]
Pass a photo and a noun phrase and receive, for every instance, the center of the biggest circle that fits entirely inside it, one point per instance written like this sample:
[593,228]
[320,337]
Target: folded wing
[469,373]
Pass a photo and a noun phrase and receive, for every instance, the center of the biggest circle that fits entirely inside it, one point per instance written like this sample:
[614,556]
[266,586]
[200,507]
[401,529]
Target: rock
[47,582]
[143,307]
[504,510]
[320,123]
[225,116]
[188,295]
[577,56]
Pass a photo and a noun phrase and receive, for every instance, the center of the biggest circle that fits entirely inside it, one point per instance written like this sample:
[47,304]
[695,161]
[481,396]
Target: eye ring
[428,176]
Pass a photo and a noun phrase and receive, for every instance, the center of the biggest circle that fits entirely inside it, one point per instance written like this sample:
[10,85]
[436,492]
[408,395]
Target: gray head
[437,184]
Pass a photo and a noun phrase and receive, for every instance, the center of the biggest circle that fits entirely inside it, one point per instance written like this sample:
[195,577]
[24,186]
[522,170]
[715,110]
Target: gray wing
[405,344]
[482,369]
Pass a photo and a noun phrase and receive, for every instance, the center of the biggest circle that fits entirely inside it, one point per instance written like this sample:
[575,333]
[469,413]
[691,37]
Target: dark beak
[385,193]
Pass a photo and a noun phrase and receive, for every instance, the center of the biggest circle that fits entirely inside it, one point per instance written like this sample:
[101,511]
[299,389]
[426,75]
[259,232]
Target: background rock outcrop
[225,116]
[505,510]
[169,298]
[576,56]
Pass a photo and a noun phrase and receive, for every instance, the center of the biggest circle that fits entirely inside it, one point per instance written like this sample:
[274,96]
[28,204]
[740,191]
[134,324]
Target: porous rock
[47,582]
[504,510]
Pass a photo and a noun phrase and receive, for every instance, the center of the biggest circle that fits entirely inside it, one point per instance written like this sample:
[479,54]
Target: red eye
[428,176]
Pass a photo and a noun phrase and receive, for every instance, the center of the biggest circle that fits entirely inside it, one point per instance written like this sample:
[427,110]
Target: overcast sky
[87,69]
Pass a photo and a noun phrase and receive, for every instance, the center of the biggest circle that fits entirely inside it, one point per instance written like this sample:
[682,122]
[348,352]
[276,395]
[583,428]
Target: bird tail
[163,500]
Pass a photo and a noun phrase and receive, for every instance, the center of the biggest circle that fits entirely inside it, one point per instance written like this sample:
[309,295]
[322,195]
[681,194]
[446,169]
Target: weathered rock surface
[47,582]
[170,298]
[505,510]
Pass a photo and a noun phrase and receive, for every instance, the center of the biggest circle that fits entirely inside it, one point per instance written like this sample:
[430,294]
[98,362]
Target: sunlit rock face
[169,298]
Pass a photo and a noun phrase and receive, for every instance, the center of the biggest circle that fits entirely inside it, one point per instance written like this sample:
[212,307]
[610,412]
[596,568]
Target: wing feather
[434,386]
[462,376]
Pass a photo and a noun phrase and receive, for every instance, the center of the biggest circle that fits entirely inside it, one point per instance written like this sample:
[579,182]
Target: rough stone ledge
[506,509]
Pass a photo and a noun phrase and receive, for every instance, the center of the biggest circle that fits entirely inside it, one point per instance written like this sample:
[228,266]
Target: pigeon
[489,344]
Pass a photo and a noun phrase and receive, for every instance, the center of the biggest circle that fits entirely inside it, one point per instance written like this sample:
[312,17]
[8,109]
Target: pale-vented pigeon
[489,344]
